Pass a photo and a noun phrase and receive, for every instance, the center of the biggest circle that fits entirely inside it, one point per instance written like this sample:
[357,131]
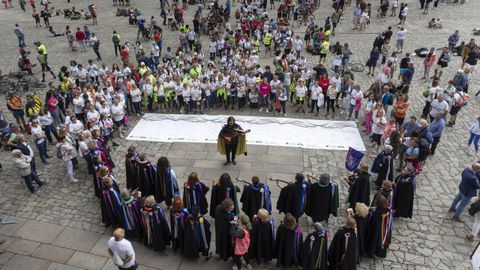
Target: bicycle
[13,81]
[357,67]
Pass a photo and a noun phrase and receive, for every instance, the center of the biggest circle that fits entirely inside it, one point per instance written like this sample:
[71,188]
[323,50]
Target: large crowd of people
[87,106]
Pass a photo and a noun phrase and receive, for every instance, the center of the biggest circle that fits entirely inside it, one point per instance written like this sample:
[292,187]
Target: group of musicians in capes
[244,227]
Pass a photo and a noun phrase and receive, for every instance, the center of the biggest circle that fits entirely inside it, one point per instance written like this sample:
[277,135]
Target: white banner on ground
[275,131]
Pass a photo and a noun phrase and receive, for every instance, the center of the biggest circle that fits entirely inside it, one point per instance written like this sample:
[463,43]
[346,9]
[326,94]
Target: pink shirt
[264,88]
[50,102]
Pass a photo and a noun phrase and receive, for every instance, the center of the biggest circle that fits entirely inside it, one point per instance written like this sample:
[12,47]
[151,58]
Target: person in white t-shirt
[136,94]
[356,97]
[316,91]
[40,139]
[78,104]
[438,106]
[298,45]
[378,123]
[121,251]
[118,113]
[300,91]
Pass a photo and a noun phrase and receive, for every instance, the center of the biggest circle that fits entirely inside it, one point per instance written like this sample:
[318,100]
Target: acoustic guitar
[228,136]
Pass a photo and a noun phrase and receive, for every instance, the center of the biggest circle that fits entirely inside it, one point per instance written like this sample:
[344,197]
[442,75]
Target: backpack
[116,39]
[474,208]
[390,100]
[424,147]
[59,152]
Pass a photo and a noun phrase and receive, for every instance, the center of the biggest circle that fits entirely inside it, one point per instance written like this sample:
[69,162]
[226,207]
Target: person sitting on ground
[53,33]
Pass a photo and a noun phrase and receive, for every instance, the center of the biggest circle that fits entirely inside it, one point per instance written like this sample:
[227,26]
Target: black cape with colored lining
[315,252]
[342,256]
[290,199]
[261,241]
[195,240]
[286,251]
[320,203]
[223,240]
[359,189]
[403,195]
[156,230]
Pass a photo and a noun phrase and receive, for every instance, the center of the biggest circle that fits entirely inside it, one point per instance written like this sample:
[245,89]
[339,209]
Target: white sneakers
[73,180]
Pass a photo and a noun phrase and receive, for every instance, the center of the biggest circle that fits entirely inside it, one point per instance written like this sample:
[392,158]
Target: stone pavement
[60,228]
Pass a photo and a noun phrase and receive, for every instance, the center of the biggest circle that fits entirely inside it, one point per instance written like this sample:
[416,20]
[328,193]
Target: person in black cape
[321,200]
[132,207]
[254,197]
[111,204]
[156,231]
[385,191]
[95,163]
[342,254]
[293,198]
[224,216]
[379,232]
[262,237]
[147,175]
[221,190]
[194,194]
[383,165]
[197,235]
[315,249]
[359,186]
[131,159]
[288,243]
[167,188]
[361,217]
[177,224]
[403,194]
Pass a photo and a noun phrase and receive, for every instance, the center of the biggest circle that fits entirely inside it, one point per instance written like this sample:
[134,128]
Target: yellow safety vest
[42,49]
[267,40]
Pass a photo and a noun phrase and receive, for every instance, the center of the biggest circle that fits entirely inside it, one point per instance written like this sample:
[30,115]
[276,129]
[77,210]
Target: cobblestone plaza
[60,227]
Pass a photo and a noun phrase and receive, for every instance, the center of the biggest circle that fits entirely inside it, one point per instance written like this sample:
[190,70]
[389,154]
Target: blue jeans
[264,101]
[56,117]
[48,132]
[42,150]
[21,40]
[463,200]
[473,138]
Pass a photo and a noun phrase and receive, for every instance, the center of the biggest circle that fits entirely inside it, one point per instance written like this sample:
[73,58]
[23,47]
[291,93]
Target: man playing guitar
[230,134]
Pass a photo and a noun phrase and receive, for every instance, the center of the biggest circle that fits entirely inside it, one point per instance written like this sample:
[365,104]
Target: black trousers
[435,142]
[29,179]
[231,150]
[237,259]
[116,48]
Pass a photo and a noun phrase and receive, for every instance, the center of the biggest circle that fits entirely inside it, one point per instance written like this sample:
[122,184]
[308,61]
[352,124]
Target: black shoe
[226,163]
[34,190]
[234,163]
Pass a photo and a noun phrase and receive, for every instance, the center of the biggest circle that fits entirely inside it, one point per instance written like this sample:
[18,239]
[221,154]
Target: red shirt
[324,83]
[124,53]
[79,35]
